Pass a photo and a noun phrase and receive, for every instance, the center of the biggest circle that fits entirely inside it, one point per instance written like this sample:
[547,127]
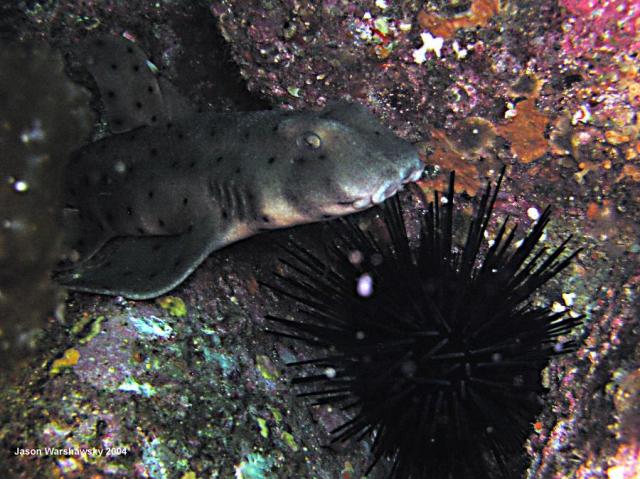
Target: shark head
[342,160]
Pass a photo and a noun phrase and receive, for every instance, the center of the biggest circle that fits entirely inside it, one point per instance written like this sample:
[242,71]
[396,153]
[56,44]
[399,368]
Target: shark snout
[387,190]
[413,174]
[384,192]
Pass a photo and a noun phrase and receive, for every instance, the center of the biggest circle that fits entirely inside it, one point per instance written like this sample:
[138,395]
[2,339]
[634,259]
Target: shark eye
[311,140]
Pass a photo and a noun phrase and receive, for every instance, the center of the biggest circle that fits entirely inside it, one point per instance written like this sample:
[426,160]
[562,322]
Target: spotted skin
[148,204]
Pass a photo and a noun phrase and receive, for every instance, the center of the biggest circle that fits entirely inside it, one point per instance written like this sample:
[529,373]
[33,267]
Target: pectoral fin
[83,237]
[143,267]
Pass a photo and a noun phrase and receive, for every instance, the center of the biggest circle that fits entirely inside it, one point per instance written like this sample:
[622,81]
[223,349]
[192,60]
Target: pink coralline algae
[601,25]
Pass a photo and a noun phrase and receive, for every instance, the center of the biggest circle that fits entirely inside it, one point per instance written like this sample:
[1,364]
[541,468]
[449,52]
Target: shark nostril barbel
[384,192]
[416,175]
[392,190]
[379,195]
[362,203]
[413,174]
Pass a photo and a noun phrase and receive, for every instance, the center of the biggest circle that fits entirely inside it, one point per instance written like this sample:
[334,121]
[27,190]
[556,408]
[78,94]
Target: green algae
[94,328]
[288,438]
[264,429]
[174,305]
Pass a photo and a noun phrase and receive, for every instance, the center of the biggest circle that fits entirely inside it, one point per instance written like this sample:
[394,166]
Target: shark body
[148,204]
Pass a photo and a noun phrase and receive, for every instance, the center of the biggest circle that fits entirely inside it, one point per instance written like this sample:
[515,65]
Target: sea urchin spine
[436,351]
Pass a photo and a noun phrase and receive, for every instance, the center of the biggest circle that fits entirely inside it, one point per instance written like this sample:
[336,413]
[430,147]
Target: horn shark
[147,205]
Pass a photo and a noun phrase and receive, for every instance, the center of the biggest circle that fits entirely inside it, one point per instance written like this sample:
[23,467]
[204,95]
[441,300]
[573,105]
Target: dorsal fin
[132,94]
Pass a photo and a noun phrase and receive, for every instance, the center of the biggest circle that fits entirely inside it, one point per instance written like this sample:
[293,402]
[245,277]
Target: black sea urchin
[435,350]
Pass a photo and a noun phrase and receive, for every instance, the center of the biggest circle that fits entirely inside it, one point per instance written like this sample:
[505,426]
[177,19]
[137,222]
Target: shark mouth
[387,190]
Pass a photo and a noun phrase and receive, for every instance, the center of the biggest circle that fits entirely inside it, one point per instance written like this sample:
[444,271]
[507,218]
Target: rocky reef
[189,386]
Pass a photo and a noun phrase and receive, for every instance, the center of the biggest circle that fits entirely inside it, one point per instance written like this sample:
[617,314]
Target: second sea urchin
[435,351]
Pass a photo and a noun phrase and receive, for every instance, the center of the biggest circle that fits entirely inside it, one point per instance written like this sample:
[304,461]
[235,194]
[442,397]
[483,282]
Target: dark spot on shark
[150,89]
[192,164]
[161,223]
[238,170]
[136,68]
[271,160]
[129,211]
[219,159]
[169,125]
[266,219]
[129,50]
[156,246]
[111,94]
[150,194]
[153,151]
[139,105]
[180,136]
[154,118]
[114,66]
[140,230]
[185,201]
[212,133]
[322,157]
[225,215]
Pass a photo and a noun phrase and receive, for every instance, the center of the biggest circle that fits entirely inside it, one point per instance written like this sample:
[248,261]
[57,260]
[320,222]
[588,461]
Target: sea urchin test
[148,204]
[435,350]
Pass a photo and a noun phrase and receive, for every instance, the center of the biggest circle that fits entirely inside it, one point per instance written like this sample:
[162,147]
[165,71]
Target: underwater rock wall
[191,387]
[550,88]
